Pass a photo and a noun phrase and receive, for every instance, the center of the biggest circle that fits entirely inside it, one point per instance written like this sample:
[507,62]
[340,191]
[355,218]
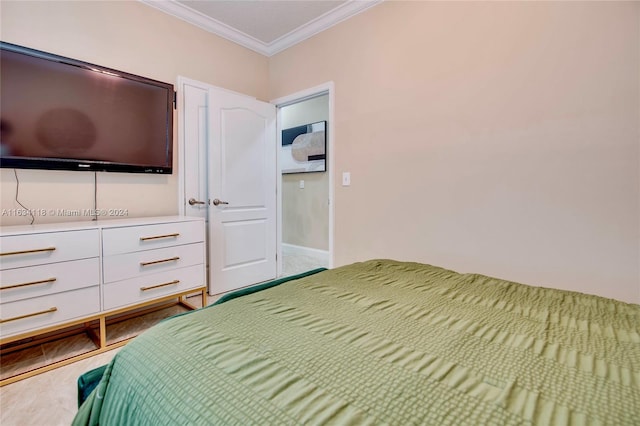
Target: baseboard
[321,255]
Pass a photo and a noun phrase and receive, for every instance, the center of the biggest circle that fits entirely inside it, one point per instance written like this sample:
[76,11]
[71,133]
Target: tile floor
[48,399]
[294,263]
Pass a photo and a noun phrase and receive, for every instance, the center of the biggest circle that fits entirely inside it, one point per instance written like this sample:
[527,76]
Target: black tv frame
[48,163]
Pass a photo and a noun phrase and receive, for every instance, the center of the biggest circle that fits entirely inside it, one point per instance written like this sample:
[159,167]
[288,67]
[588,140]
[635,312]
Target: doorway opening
[305,192]
[197,106]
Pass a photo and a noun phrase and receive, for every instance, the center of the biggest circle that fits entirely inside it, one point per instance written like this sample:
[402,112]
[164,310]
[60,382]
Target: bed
[381,342]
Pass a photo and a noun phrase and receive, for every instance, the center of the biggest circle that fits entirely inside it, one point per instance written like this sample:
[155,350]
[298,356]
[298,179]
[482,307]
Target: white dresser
[48,278]
[143,262]
[56,275]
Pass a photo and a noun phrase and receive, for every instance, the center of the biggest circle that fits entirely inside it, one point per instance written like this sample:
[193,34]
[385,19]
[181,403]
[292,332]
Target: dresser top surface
[96,224]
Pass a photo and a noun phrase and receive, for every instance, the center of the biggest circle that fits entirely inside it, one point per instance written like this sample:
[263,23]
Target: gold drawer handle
[48,311]
[159,236]
[48,280]
[154,262]
[11,253]
[174,282]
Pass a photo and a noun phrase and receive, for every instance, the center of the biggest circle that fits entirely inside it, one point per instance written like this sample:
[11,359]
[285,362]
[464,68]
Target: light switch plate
[346,178]
[301,184]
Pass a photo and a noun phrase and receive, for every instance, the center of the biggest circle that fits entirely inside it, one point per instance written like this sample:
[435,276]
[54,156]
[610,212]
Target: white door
[242,190]
[193,122]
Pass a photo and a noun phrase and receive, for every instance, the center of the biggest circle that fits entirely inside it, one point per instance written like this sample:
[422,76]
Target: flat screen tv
[64,114]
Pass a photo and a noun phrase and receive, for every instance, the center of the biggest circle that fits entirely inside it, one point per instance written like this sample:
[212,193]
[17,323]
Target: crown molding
[207,23]
[311,28]
[321,23]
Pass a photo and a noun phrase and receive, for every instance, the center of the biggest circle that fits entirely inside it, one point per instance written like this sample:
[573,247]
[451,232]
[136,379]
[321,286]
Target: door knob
[217,202]
[193,201]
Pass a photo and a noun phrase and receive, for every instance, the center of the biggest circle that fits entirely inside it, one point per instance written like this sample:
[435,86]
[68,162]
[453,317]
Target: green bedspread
[382,342]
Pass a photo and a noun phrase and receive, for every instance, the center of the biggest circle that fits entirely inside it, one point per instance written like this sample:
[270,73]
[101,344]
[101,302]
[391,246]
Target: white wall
[490,137]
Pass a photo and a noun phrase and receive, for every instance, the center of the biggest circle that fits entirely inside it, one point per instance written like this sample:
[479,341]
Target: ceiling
[265,26]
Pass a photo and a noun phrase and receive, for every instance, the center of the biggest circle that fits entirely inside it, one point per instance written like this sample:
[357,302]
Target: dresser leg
[103,332]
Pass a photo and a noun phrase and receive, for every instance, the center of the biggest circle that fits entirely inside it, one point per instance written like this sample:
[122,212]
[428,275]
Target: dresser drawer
[137,238]
[149,287]
[48,310]
[49,247]
[23,283]
[122,266]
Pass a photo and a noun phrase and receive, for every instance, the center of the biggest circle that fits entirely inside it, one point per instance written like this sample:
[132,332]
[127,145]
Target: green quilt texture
[382,342]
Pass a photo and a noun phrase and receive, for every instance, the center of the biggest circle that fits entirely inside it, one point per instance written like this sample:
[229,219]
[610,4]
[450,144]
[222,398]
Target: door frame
[182,81]
[324,88]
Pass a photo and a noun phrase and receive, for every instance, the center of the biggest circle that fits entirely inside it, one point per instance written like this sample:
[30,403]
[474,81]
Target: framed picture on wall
[304,148]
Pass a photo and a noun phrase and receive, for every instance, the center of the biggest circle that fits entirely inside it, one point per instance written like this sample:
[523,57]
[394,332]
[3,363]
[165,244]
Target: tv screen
[60,113]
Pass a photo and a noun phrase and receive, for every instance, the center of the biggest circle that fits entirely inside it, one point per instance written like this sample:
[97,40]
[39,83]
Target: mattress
[382,342]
